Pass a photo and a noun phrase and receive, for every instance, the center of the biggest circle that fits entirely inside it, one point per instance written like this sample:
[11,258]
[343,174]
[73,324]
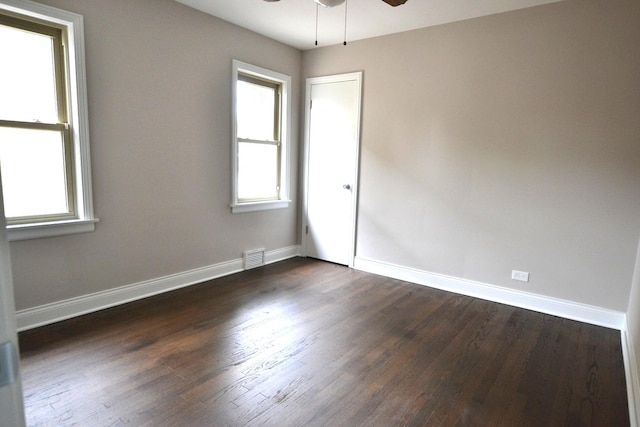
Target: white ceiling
[293,21]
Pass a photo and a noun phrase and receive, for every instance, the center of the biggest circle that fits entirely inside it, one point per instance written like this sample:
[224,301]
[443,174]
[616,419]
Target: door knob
[347,187]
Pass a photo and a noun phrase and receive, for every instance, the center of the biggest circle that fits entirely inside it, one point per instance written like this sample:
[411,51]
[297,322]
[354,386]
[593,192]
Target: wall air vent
[253,258]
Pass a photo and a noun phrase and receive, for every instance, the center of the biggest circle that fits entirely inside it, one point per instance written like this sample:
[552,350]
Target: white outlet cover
[521,276]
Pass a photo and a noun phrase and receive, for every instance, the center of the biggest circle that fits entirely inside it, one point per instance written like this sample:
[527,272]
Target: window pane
[256,111]
[33,172]
[27,76]
[257,171]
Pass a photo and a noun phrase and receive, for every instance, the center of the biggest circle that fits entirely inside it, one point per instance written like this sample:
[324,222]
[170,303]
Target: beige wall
[505,142]
[159,93]
[499,143]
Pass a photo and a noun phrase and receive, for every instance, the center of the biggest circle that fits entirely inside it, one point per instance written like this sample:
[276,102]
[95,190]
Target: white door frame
[11,397]
[357,76]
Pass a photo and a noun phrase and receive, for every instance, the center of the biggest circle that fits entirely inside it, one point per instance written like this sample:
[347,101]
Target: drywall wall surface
[504,142]
[159,89]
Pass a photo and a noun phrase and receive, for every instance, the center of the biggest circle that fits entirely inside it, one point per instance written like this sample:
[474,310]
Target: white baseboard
[50,313]
[282,254]
[633,381]
[557,307]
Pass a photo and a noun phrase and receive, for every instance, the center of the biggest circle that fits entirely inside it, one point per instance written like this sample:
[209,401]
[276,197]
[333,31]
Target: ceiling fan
[331,3]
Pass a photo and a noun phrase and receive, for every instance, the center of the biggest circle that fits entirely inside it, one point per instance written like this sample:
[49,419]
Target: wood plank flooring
[308,343]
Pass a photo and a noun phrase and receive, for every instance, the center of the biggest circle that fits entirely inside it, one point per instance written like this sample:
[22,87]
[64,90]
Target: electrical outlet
[521,276]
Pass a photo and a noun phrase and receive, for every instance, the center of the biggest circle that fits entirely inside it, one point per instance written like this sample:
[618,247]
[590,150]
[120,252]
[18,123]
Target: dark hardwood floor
[307,343]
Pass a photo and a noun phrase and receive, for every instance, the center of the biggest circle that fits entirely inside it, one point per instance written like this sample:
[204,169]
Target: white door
[332,145]
[11,403]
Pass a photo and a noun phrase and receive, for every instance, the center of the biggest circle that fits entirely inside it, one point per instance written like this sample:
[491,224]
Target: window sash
[276,184]
[58,41]
[67,148]
[274,141]
[277,104]
[57,38]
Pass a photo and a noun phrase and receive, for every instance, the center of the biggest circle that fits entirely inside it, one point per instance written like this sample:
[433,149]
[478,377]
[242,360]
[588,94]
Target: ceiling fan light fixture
[329,3]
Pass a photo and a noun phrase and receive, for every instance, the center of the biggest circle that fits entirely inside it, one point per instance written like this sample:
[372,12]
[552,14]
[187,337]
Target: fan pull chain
[317,5]
[346,2]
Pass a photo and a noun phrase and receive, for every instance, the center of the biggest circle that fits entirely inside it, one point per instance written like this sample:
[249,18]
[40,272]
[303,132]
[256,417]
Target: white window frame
[72,25]
[237,206]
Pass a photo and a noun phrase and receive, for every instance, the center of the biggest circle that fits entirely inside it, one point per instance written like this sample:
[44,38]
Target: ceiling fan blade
[394,3]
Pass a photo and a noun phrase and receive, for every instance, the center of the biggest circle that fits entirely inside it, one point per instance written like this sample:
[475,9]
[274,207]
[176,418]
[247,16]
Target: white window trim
[284,201]
[78,117]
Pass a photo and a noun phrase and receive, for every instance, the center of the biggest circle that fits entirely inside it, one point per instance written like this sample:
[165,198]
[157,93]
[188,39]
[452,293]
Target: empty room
[320,213]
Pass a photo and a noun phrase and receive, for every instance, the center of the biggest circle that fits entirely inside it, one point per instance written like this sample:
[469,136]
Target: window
[44,145]
[260,146]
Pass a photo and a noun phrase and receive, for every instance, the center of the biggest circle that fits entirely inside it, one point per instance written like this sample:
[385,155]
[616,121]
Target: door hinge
[306,231]
[311,104]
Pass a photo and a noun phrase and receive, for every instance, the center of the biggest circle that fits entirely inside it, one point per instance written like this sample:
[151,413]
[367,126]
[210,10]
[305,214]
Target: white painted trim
[631,374]
[78,102]
[260,206]
[543,304]
[50,313]
[358,77]
[50,229]
[285,139]
[281,254]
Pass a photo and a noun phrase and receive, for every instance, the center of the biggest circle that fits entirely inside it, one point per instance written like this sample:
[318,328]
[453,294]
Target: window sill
[259,206]
[50,229]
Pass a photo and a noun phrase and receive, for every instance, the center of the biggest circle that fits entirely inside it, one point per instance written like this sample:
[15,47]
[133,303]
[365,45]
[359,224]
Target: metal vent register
[253,258]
